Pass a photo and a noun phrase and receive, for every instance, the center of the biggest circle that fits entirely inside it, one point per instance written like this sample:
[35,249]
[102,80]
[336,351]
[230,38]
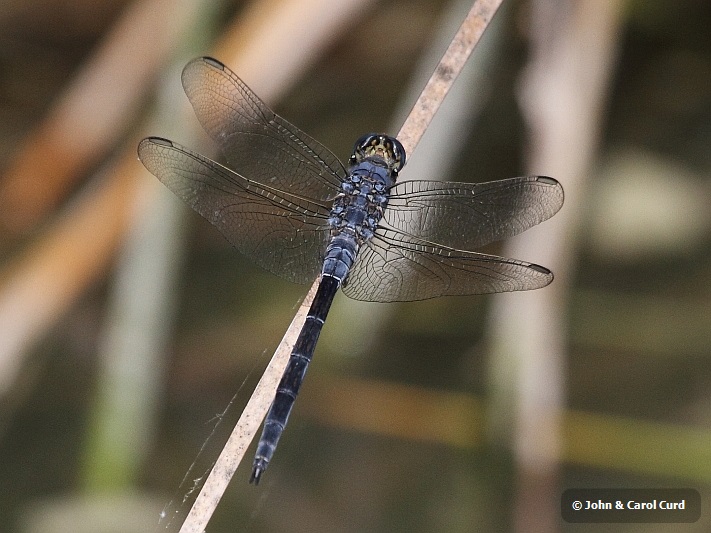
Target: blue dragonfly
[287,202]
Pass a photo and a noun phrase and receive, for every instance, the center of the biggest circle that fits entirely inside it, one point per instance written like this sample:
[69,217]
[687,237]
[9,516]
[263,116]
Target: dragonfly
[288,203]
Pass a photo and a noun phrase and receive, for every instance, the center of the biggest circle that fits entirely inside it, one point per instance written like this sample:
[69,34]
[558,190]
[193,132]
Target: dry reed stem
[45,279]
[562,97]
[76,249]
[414,127]
[94,110]
[446,72]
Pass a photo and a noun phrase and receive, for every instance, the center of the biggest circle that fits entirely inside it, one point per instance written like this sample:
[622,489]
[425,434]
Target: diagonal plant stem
[446,72]
[410,134]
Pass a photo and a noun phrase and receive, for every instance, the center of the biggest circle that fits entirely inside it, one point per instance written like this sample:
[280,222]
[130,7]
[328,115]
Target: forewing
[393,267]
[469,215]
[283,233]
[258,143]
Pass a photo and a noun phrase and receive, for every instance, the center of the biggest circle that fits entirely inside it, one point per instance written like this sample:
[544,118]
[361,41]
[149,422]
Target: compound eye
[398,155]
[364,141]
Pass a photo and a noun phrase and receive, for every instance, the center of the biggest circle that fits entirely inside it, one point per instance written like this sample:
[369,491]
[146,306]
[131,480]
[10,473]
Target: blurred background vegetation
[127,323]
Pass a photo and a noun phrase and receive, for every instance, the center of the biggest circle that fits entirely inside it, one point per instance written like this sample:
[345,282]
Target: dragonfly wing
[256,141]
[283,233]
[466,216]
[394,267]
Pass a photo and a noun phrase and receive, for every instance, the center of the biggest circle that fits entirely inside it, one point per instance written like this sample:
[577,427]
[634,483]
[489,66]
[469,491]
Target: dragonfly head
[375,145]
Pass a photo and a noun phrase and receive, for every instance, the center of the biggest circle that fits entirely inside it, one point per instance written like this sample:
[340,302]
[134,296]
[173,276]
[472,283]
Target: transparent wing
[259,144]
[469,215]
[283,233]
[393,267]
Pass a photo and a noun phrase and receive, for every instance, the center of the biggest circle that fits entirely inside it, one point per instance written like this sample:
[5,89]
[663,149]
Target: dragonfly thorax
[355,214]
[363,198]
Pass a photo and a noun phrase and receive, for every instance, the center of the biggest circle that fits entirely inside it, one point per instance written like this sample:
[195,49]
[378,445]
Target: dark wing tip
[548,180]
[210,61]
[213,62]
[158,140]
[543,270]
[195,66]
[152,140]
[539,268]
